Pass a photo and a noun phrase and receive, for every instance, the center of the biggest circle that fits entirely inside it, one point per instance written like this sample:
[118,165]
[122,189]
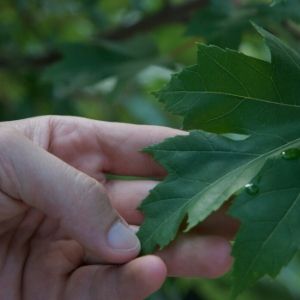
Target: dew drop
[292,153]
[251,188]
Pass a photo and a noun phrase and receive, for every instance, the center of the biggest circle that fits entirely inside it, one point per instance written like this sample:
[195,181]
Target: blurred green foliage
[103,59]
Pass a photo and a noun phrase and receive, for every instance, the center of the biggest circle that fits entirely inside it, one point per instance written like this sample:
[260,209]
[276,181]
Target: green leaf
[228,91]
[224,24]
[276,2]
[286,68]
[204,170]
[286,9]
[86,64]
[219,23]
[89,62]
[269,235]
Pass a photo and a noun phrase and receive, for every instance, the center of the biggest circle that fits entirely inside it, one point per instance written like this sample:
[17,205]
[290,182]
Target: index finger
[123,144]
[95,146]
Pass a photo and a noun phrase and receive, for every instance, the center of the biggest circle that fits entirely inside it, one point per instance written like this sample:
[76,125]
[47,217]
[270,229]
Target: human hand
[60,227]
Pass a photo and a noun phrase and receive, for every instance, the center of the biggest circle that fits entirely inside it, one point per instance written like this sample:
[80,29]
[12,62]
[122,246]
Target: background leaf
[220,23]
[224,23]
[87,64]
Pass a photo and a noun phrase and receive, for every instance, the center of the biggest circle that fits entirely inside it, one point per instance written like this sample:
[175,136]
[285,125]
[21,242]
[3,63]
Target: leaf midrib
[265,155]
[233,95]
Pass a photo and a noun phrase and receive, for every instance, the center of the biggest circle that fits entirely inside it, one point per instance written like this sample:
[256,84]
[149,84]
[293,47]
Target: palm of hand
[39,259]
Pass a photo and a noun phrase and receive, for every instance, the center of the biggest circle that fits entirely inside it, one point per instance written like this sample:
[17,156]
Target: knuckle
[89,185]
[90,188]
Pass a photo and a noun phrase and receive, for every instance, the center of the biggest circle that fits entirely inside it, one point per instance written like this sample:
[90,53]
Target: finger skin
[205,252]
[119,144]
[135,280]
[124,144]
[126,196]
[76,200]
[197,256]
[95,147]
[219,224]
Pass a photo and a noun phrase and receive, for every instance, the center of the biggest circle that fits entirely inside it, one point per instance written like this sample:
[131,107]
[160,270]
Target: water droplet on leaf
[251,188]
[292,153]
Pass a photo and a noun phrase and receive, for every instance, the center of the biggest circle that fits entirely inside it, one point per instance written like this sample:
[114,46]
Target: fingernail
[121,237]
[134,228]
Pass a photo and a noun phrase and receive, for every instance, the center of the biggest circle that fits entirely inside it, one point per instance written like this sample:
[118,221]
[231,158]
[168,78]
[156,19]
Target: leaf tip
[264,33]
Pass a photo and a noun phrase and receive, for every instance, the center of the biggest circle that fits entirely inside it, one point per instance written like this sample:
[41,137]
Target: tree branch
[292,29]
[169,14]
[34,62]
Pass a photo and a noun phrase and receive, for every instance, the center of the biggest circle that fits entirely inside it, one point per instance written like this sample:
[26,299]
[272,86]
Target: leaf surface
[228,91]
[269,236]
[204,171]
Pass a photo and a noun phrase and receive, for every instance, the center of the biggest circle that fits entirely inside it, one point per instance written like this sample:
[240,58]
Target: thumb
[77,201]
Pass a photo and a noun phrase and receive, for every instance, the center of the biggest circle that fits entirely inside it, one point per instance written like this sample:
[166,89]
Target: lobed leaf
[229,92]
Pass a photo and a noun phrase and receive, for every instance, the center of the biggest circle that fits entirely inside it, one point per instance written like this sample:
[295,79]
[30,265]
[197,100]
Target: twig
[35,62]
[169,14]
[293,29]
